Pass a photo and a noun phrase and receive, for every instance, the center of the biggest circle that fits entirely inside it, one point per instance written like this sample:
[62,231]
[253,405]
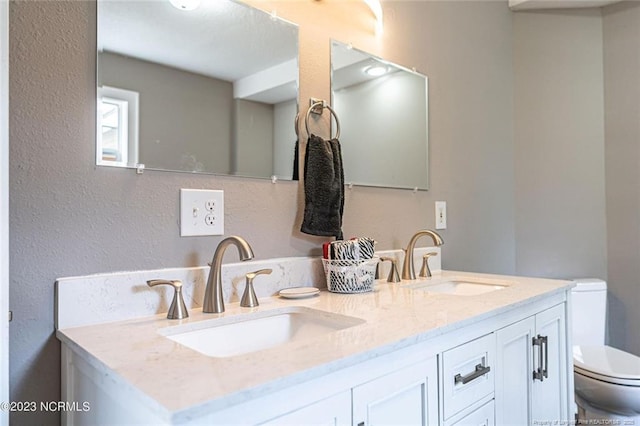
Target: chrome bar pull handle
[545,341]
[539,373]
[480,370]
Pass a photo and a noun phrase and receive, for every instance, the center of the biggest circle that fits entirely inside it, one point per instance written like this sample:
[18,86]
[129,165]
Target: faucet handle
[393,277]
[425,271]
[249,298]
[177,310]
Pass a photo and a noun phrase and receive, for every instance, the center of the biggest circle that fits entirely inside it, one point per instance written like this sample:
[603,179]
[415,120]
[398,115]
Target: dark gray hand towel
[295,161]
[323,188]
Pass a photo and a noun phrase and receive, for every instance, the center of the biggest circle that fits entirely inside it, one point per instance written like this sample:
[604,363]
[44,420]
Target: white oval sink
[461,286]
[244,333]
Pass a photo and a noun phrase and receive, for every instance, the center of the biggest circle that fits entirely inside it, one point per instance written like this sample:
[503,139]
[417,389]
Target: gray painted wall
[185,118]
[4,207]
[284,138]
[68,217]
[465,50]
[622,131]
[253,139]
[559,144]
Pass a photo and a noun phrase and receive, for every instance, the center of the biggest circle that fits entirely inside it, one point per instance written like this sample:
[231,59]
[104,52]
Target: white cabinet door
[333,411]
[550,400]
[531,378]
[514,373]
[408,396]
[483,416]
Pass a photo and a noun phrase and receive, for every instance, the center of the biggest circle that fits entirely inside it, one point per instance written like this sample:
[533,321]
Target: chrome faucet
[407,266]
[213,298]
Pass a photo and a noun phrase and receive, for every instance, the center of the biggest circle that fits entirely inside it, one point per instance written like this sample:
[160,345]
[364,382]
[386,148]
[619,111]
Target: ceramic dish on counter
[299,292]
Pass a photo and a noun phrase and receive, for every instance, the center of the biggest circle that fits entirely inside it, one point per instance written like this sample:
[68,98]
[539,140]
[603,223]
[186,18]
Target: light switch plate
[201,212]
[441,215]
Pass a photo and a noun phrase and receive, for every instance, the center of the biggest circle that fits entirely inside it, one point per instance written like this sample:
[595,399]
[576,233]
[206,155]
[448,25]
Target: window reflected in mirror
[117,137]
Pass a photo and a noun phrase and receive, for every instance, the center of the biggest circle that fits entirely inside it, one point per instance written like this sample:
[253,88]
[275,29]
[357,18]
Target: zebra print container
[354,249]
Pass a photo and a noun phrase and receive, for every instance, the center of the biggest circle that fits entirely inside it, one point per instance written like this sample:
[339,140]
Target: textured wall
[622,124]
[4,204]
[466,50]
[69,217]
[559,144]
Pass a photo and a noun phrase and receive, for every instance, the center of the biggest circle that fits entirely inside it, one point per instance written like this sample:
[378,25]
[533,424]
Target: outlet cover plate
[441,215]
[201,212]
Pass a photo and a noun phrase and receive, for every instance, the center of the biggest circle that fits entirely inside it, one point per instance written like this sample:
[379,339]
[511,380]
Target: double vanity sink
[256,331]
[256,363]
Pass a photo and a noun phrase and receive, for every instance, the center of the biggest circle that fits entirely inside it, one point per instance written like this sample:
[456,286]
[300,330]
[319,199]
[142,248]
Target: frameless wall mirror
[210,89]
[383,111]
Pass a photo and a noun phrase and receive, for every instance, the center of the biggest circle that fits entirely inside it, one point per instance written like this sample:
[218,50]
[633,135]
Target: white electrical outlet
[201,212]
[441,215]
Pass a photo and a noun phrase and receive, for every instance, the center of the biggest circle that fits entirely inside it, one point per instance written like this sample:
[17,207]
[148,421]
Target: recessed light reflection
[376,70]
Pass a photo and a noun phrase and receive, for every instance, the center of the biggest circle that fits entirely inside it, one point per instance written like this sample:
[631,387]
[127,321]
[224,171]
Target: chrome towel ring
[317,108]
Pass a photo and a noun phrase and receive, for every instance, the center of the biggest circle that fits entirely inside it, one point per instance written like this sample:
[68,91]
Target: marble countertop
[173,378]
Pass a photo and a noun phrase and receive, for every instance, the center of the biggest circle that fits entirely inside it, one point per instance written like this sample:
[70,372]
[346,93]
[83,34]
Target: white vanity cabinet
[418,358]
[483,416]
[396,388]
[332,411]
[408,396]
[532,381]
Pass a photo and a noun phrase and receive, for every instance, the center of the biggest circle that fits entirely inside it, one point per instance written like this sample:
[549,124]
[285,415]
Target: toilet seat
[607,364]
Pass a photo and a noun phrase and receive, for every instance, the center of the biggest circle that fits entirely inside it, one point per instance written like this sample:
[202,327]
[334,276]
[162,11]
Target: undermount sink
[245,333]
[467,286]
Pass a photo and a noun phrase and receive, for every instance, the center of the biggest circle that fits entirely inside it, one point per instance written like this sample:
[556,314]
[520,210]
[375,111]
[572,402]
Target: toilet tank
[589,306]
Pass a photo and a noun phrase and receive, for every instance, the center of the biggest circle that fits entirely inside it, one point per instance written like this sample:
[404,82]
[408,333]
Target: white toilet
[607,380]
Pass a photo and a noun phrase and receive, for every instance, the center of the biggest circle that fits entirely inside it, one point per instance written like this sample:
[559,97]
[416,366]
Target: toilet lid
[606,361]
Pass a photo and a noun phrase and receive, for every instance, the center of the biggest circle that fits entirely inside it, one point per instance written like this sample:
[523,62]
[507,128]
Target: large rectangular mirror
[210,90]
[383,112]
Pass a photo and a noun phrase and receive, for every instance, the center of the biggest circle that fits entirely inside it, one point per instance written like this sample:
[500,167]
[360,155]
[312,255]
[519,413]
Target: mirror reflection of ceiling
[210,40]
[349,67]
[209,90]
[383,112]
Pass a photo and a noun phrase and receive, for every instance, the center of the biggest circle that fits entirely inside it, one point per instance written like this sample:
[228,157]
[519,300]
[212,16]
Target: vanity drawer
[483,416]
[467,374]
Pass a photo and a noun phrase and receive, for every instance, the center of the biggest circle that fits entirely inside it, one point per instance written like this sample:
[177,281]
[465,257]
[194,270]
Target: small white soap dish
[299,292]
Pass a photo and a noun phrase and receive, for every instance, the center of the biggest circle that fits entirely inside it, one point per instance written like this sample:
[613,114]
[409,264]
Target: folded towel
[323,188]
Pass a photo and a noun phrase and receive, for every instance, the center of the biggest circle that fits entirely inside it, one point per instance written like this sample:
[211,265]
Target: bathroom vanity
[456,348]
